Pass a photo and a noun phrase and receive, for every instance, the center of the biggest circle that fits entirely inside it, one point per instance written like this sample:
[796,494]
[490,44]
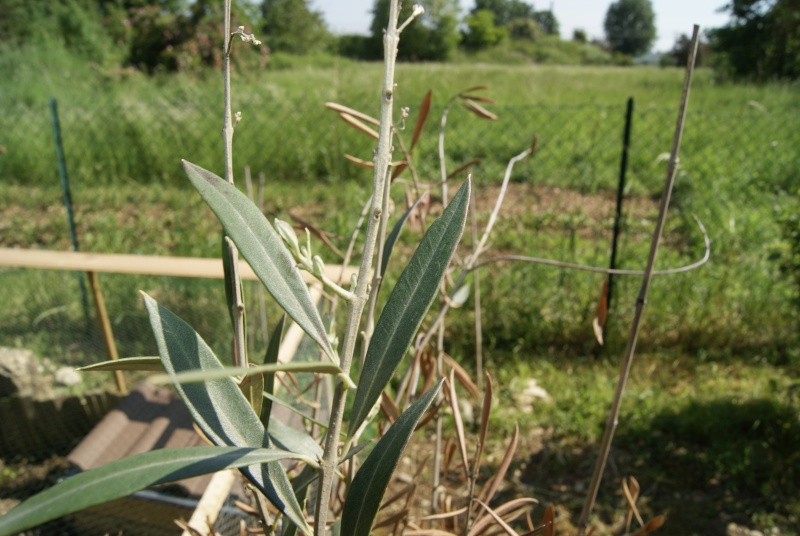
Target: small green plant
[229,404]
[232,406]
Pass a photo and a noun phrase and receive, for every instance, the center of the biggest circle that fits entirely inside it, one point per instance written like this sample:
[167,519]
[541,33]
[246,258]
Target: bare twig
[598,269]
[613,416]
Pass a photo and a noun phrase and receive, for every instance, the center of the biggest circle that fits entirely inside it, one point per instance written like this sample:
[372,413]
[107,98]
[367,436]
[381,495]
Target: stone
[21,375]
[68,376]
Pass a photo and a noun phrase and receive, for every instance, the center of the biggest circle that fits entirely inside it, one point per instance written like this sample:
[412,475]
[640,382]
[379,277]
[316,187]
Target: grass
[710,420]
[711,442]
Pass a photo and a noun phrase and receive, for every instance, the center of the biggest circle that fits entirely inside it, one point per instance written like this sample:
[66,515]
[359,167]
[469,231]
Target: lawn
[709,424]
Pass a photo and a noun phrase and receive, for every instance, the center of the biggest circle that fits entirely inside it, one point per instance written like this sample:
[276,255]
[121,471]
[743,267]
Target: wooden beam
[138,264]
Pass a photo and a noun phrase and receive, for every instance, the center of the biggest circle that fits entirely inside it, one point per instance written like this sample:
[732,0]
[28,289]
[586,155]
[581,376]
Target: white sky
[673,17]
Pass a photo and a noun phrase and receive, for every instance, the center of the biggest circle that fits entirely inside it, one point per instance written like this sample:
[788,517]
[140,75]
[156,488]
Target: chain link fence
[725,160]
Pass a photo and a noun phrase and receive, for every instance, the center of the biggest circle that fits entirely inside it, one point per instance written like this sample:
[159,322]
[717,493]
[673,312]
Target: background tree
[547,20]
[432,37]
[482,32]
[630,26]
[292,26]
[505,10]
[761,41]
[580,36]
[679,53]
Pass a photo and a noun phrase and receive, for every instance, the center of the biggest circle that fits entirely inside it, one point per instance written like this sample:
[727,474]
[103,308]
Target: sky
[673,17]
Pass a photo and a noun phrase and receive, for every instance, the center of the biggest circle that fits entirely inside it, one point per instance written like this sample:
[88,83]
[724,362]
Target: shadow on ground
[704,465]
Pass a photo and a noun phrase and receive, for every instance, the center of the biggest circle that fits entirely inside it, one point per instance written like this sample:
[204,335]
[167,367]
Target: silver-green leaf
[408,304]
[129,475]
[263,249]
[364,498]
[218,406]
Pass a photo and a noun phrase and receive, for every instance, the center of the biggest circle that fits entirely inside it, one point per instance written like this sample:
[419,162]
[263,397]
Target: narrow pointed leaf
[128,363]
[339,108]
[422,117]
[129,475]
[359,161]
[194,376]
[293,440]
[218,406]
[271,358]
[479,110]
[408,304]
[468,165]
[252,386]
[263,249]
[366,491]
[459,423]
[392,238]
[358,125]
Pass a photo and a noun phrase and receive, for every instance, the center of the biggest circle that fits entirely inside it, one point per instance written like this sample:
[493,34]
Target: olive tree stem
[229,249]
[355,307]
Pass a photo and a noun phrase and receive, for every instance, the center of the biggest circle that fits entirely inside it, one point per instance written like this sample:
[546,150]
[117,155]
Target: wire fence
[111,140]
[122,139]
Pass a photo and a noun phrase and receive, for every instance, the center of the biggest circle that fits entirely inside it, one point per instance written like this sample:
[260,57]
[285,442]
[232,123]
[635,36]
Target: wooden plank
[138,264]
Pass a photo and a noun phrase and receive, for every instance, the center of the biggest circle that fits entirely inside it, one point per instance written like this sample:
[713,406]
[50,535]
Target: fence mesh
[122,140]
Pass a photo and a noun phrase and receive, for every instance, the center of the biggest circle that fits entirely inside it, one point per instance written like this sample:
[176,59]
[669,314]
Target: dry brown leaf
[392,519]
[339,108]
[359,125]
[486,411]
[359,162]
[390,410]
[399,168]
[601,315]
[460,437]
[473,89]
[478,110]
[462,375]
[499,520]
[549,521]
[443,515]
[489,489]
[534,143]
[422,117]
[652,525]
[509,511]
[631,493]
[478,98]
[464,167]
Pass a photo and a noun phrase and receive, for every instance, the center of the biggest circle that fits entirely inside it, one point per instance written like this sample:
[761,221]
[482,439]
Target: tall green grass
[124,134]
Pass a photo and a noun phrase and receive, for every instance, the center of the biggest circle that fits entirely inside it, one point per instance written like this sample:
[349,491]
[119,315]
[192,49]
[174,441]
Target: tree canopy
[431,37]
[630,26]
[761,42]
[505,10]
[292,26]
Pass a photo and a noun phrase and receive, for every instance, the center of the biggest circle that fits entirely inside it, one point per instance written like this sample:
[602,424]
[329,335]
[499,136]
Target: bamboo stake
[105,326]
[613,416]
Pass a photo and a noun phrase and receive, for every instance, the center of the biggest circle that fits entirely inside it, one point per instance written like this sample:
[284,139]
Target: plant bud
[288,235]
[318,267]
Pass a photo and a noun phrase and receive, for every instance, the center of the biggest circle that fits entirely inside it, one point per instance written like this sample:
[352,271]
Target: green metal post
[62,172]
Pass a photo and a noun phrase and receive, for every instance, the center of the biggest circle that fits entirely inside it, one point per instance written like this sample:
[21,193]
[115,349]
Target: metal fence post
[623,167]
[62,172]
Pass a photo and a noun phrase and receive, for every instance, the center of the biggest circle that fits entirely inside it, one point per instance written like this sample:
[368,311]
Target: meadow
[711,415]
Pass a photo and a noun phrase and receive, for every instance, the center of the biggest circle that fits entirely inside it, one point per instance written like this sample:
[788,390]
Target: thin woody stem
[613,414]
[237,305]
[355,307]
